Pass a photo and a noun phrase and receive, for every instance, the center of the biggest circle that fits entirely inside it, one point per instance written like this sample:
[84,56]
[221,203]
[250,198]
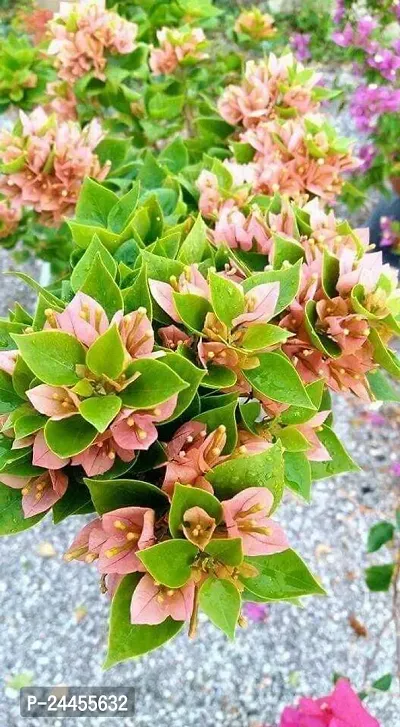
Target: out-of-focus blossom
[257,612]
[342,708]
[255,24]
[61,101]
[177,47]
[370,102]
[82,39]
[366,154]
[10,217]
[300,43]
[49,162]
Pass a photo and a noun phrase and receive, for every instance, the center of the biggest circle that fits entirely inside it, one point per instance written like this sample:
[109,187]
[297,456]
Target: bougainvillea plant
[174,389]
[24,73]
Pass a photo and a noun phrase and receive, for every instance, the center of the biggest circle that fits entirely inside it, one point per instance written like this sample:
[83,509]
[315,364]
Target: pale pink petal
[42,456]
[152,605]
[261,303]
[53,401]
[8,360]
[84,318]
[163,295]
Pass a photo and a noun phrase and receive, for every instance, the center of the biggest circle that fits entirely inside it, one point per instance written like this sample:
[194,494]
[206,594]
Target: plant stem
[194,616]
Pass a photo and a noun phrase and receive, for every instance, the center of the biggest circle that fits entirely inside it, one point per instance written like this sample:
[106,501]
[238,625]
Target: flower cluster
[34,22]
[342,707]
[270,88]
[177,48]
[10,217]
[44,162]
[291,150]
[362,36]
[82,37]
[255,24]
[369,103]
[300,43]
[390,234]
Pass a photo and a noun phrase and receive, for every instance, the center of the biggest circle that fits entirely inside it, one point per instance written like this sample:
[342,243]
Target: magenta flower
[342,708]
[257,612]
[246,517]
[152,603]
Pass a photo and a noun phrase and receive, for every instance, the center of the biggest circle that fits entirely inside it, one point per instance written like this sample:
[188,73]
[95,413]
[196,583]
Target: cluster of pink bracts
[177,47]
[292,149]
[46,164]
[81,45]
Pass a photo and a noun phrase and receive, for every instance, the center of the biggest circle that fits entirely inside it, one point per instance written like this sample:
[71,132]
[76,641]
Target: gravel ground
[54,623]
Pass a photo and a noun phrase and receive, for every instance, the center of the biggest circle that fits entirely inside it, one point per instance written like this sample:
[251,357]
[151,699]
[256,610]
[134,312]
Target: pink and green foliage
[174,386]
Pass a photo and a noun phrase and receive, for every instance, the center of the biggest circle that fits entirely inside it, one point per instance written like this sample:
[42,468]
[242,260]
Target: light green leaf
[219,377]
[226,550]
[94,203]
[288,279]
[192,310]
[101,286]
[259,336]
[69,436]
[138,294]
[9,399]
[52,356]
[340,462]
[281,576]
[220,601]
[156,383]
[189,373]
[170,563]
[298,474]
[223,415]
[100,410]
[120,215]
[257,470]
[83,266]
[277,379]
[106,356]
[227,299]
[195,244]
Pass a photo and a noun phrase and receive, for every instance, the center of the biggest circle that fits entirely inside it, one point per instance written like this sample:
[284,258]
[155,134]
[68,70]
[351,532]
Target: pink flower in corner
[38,493]
[56,402]
[152,604]
[135,429]
[246,517]
[8,359]
[171,337]
[126,531]
[343,708]
[260,304]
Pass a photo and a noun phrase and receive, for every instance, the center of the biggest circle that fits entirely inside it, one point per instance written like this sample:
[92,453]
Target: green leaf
[83,235]
[192,310]
[156,383]
[383,683]
[384,356]
[250,412]
[52,356]
[22,377]
[12,518]
[226,550]
[219,377]
[75,501]
[257,470]
[288,279]
[121,214]
[378,535]
[224,415]
[298,474]
[379,577]
[83,266]
[170,563]
[293,440]
[94,203]
[111,494]
[195,244]
[126,640]
[286,251]
[277,379]
[175,156]
[138,294]
[330,274]
[69,436]
[263,335]
[51,299]
[28,424]
[106,356]
[186,497]
[299,415]
[341,461]
[100,410]
[220,601]
[189,373]
[322,342]
[159,268]
[9,399]
[381,387]
[281,576]
[227,299]
[101,286]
